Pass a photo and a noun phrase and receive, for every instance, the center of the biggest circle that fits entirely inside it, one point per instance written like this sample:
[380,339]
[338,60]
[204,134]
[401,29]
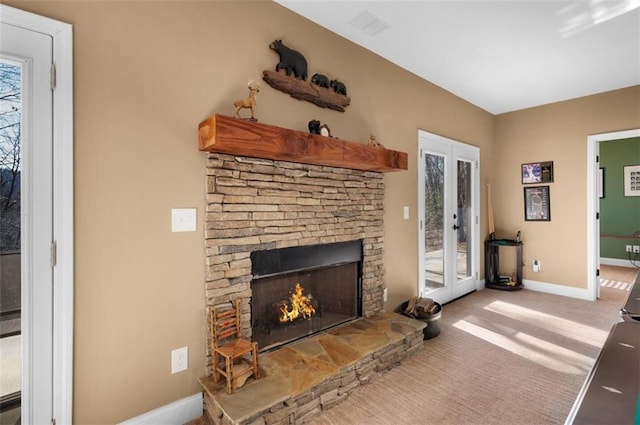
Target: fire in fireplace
[300,291]
[301,306]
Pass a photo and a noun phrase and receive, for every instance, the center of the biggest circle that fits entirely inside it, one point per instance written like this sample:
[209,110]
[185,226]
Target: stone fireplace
[259,205]
[301,244]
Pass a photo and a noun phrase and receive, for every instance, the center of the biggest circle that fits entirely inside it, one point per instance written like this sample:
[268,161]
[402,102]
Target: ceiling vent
[369,23]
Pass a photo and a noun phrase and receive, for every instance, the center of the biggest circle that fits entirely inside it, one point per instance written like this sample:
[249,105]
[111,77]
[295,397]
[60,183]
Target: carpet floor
[501,358]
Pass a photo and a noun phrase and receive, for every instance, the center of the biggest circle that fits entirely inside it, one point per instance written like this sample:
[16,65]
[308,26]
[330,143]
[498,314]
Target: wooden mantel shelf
[223,134]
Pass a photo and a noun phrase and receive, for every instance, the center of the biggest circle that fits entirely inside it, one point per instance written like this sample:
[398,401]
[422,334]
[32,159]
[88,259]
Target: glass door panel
[464,219]
[434,221]
[26,169]
[10,235]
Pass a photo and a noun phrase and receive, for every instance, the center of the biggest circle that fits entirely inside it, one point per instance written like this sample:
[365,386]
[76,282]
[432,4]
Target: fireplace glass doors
[297,292]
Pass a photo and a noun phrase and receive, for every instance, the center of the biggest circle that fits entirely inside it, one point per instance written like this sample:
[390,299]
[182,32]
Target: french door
[29,150]
[448,173]
[29,46]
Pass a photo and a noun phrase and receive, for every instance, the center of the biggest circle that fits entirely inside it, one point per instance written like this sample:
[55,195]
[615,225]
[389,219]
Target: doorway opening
[593,205]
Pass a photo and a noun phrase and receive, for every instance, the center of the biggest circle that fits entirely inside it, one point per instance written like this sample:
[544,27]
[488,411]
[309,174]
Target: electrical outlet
[536,266]
[179,359]
[636,249]
[628,248]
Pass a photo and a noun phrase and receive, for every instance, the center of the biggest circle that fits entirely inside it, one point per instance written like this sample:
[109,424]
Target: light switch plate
[183,219]
[406,213]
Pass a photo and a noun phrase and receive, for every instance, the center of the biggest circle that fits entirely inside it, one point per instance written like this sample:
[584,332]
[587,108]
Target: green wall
[619,215]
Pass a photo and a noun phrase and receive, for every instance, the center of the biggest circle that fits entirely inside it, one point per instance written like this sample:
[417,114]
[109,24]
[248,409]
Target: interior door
[448,225]
[31,54]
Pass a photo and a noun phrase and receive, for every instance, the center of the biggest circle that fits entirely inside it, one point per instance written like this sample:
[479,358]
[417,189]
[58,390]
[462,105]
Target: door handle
[456,227]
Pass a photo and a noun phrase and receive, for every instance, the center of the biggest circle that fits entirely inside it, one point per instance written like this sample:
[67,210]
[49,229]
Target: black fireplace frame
[286,261]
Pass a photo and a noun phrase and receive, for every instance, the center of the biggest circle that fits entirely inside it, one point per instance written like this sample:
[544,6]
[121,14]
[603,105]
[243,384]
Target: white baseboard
[565,291]
[615,262]
[550,288]
[176,413]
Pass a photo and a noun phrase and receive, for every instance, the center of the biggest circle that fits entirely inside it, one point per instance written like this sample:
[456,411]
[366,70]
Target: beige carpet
[501,358]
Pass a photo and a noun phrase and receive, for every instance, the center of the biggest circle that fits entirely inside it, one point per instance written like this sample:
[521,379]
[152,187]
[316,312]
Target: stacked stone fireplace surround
[259,204]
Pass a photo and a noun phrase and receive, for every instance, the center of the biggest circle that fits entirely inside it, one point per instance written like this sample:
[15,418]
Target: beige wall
[146,74]
[558,133]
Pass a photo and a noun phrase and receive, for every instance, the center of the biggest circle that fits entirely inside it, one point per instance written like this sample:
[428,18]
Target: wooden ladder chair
[234,357]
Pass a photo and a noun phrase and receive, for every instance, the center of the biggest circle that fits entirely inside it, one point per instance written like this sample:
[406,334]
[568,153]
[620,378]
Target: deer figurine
[249,102]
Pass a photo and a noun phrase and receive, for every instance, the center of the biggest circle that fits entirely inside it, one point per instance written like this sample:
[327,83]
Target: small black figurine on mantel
[249,102]
[314,127]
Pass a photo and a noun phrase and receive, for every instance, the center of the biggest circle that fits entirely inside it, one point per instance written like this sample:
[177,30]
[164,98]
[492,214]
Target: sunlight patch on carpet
[543,353]
[567,328]
[616,284]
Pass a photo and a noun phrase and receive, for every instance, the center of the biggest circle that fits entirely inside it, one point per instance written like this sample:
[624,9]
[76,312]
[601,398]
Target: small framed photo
[537,203]
[601,183]
[537,172]
[632,180]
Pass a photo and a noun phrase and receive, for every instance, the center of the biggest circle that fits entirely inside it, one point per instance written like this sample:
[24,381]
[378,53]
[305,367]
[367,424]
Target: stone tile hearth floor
[290,371]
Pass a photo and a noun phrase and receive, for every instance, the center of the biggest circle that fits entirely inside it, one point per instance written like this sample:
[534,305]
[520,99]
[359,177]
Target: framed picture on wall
[632,180]
[537,203]
[537,172]
[601,183]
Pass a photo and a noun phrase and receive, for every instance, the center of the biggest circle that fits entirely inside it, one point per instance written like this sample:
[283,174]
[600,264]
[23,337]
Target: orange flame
[300,306]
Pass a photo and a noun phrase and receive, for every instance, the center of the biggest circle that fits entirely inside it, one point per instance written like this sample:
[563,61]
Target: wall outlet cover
[636,248]
[179,359]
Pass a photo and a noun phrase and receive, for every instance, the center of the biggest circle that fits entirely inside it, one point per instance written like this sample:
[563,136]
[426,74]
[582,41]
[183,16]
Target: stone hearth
[302,379]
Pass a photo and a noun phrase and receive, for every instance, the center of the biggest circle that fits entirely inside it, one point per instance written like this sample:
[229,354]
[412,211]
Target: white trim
[178,413]
[63,233]
[62,36]
[593,231]
[565,291]
[616,262]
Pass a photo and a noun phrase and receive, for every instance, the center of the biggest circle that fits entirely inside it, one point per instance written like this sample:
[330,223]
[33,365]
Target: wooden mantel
[223,134]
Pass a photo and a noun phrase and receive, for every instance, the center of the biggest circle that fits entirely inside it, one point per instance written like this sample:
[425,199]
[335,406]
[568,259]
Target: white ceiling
[499,55]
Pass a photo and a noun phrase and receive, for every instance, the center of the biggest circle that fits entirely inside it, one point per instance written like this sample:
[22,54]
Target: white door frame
[453,290]
[62,362]
[593,228]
